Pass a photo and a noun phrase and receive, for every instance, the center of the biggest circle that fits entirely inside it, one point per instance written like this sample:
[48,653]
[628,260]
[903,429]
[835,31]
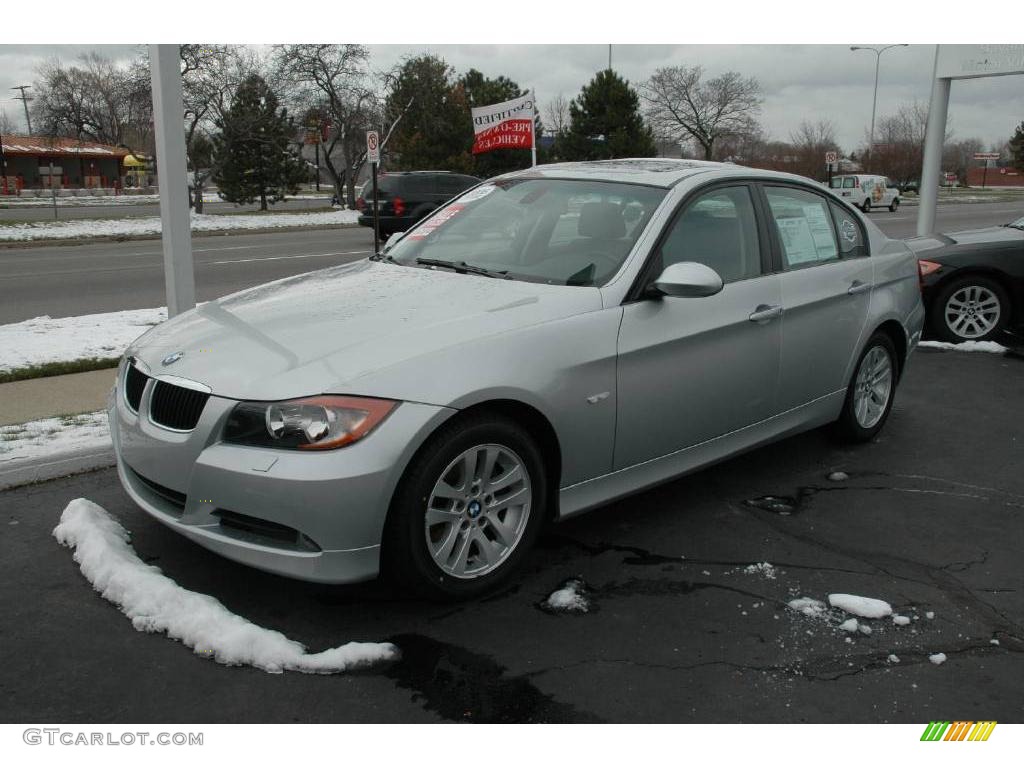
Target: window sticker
[821,230]
[478,193]
[439,219]
[849,231]
[797,240]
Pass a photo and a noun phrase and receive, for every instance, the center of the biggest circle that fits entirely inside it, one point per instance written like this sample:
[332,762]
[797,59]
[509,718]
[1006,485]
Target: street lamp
[874,101]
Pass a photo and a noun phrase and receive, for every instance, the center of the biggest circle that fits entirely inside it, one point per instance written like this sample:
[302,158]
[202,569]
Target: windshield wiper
[463,268]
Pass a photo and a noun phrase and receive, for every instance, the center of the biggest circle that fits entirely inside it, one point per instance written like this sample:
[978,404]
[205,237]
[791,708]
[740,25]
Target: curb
[29,471]
[201,233]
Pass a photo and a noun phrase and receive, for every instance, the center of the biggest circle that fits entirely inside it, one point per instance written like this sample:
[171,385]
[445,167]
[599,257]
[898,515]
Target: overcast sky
[800,81]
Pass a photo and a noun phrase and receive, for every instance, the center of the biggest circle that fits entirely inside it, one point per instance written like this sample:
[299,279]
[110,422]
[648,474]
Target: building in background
[76,164]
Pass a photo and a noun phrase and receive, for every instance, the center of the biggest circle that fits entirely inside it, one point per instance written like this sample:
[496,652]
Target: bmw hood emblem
[172,358]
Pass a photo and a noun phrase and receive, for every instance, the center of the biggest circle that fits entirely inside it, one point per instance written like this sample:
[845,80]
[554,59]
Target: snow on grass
[46,437]
[893,659]
[900,621]
[569,598]
[47,340]
[150,225]
[765,570]
[929,614]
[937,658]
[155,603]
[838,477]
[808,606]
[966,346]
[866,607]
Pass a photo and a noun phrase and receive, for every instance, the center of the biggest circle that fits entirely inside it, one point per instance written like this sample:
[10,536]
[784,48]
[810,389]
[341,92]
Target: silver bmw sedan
[548,341]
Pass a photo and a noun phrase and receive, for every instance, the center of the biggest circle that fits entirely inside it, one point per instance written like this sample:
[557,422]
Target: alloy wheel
[873,387]
[478,511]
[972,311]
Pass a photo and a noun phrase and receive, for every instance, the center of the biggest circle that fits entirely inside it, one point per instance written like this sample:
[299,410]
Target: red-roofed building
[76,164]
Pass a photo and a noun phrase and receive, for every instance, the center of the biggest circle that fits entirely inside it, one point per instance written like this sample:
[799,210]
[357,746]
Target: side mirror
[688,279]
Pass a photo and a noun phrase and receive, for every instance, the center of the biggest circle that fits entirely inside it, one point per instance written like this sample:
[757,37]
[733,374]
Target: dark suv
[406,197]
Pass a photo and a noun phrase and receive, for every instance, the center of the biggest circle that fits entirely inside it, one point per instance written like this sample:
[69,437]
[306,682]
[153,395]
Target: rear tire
[871,391]
[458,526]
[972,308]
[894,205]
[867,206]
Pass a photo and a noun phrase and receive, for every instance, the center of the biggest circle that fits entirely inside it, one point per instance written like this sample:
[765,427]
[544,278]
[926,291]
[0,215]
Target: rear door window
[851,235]
[803,223]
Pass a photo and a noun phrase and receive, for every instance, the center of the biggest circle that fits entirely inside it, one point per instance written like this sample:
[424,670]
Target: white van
[867,192]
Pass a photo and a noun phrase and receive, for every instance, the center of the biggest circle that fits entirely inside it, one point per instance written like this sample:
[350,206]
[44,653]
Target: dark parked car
[406,197]
[973,281]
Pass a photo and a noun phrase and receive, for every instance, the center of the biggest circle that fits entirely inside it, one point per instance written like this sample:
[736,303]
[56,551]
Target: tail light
[925,268]
[398,204]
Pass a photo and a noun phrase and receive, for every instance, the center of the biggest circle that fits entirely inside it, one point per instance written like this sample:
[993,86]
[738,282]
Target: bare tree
[681,104]
[6,124]
[810,141]
[556,115]
[333,83]
[899,143]
[958,157]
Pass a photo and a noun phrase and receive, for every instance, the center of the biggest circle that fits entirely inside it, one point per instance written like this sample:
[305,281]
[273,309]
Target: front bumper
[315,516]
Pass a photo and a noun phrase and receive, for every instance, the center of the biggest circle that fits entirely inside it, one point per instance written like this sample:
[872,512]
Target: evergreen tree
[1017,147]
[434,132]
[254,159]
[606,122]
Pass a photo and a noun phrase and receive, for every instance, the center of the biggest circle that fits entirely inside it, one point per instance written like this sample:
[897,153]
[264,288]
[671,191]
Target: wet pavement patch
[464,686]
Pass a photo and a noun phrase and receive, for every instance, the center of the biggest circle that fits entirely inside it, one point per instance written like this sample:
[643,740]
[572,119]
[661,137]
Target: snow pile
[966,346]
[807,606]
[866,607]
[937,658]
[155,603]
[47,340]
[893,659]
[569,598]
[45,437]
[150,225]
[850,625]
[765,570]
[901,621]
[838,477]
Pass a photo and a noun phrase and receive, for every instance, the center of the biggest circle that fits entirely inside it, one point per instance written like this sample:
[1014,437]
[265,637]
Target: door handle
[765,312]
[858,287]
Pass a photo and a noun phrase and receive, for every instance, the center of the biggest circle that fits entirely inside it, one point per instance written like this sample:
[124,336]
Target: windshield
[542,230]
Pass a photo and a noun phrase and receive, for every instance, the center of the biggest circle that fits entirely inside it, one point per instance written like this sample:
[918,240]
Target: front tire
[973,308]
[871,391]
[467,511]
[867,206]
[894,205]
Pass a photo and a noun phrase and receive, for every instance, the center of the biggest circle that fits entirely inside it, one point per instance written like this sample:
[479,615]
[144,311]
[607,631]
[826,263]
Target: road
[679,631]
[135,210]
[63,281]
[73,280]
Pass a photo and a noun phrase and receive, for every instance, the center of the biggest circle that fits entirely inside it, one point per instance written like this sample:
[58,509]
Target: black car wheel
[867,206]
[894,204]
[468,509]
[971,308]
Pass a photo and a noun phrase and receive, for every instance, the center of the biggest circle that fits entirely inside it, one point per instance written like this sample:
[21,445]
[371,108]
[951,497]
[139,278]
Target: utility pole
[24,100]
[609,55]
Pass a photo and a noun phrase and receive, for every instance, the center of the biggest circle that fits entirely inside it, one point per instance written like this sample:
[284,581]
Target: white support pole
[934,136]
[168,121]
[533,131]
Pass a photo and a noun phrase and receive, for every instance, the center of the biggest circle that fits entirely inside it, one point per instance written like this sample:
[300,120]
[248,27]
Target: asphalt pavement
[69,280]
[68,210]
[681,629]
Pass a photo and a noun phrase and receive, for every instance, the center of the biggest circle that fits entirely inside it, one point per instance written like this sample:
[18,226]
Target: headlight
[309,424]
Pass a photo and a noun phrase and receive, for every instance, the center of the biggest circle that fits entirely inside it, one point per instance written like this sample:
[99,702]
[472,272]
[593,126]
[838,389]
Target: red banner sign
[508,125]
